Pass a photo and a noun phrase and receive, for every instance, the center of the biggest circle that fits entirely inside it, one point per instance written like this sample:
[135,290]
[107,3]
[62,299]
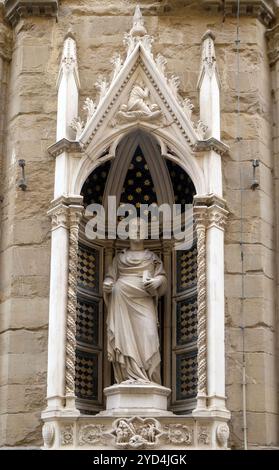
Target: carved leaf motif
[201,129]
[161,62]
[90,107]
[188,107]
[102,86]
[174,83]
[117,64]
[78,125]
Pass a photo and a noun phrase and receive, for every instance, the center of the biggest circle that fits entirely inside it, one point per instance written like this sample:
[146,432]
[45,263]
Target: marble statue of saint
[131,288]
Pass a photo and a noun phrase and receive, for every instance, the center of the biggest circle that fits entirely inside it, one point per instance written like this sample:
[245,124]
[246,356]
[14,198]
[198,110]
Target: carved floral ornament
[91,434]
[139,106]
[178,434]
[67,435]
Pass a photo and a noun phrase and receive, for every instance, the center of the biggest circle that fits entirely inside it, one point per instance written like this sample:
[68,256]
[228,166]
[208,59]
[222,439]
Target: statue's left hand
[107,287]
[152,285]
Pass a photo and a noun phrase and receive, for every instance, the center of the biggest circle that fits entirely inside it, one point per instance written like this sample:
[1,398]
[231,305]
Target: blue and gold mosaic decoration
[138,186]
[183,187]
[94,186]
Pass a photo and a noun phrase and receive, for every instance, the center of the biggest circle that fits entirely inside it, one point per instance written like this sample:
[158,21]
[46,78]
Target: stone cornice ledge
[211,144]
[15,9]
[262,9]
[64,145]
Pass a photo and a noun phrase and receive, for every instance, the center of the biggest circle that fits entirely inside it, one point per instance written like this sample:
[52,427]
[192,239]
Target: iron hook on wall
[22,182]
[255,184]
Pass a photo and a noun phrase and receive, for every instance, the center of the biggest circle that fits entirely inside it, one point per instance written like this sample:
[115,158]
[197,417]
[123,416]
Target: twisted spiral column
[200,217]
[75,213]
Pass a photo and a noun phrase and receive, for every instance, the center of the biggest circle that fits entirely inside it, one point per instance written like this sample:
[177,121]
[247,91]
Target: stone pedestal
[134,399]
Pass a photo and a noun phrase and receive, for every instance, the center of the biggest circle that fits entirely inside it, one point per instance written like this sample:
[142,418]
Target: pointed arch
[170,147]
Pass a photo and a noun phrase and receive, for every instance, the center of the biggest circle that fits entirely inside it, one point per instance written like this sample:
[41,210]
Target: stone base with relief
[136,398]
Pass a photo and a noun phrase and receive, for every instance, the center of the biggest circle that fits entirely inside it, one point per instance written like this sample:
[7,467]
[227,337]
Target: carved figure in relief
[138,106]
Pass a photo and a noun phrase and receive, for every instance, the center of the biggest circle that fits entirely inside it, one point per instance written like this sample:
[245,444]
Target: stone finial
[69,63]
[138,28]
[208,50]
[69,56]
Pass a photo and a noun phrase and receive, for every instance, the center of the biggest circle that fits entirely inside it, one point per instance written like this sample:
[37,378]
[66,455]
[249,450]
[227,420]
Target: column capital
[17,9]
[210,211]
[217,217]
[66,211]
[200,216]
[58,215]
[75,214]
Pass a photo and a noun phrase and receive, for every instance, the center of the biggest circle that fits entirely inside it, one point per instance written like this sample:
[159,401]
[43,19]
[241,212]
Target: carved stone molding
[135,433]
[261,9]
[64,145]
[16,9]
[211,144]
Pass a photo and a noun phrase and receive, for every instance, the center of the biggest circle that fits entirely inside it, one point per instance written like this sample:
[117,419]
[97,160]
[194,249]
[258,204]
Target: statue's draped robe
[132,323]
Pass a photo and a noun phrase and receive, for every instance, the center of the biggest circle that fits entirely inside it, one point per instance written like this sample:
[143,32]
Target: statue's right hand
[107,287]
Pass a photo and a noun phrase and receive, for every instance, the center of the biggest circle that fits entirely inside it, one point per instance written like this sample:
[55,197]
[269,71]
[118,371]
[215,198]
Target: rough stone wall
[259,317]
[25,249]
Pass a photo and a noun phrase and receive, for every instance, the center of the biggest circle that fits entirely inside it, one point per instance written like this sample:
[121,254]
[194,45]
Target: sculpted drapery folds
[132,286]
